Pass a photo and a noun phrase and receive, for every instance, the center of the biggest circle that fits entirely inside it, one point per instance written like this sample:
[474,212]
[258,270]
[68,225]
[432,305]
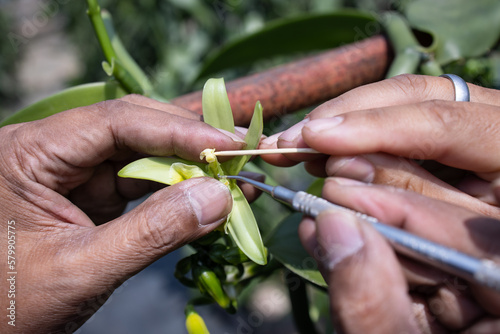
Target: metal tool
[481,271]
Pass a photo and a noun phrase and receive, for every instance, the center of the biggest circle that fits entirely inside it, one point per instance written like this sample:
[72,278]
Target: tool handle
[312,206]
[489,274]
[484,272]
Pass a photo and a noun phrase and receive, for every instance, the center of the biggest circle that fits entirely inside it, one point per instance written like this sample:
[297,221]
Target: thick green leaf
[70,98]
[216,108]
[299,34]
[162,169]
[244,230]
[460,28]
[252,139]
[285,246]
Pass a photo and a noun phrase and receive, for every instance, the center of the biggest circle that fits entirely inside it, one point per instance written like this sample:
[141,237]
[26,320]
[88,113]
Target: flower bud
[194,322]
[208,282]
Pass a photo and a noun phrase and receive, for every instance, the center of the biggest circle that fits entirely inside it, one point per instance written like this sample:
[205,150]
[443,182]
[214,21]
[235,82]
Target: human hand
[387,126]
[373,290]
[58,181]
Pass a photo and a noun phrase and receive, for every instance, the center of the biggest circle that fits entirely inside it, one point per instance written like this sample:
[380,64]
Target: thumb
[368,292]
[169,219]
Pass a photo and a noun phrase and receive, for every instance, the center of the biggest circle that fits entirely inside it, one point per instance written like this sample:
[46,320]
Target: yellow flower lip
[209,155]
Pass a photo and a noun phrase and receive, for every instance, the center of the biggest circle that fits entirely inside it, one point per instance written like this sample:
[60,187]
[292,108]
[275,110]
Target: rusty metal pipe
[303,83]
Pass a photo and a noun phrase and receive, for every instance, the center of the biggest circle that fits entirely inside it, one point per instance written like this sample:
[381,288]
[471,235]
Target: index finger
[463,135]
[400,90]
[62,144]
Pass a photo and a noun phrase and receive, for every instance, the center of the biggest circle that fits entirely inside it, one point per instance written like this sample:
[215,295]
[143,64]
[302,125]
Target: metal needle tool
[481,271]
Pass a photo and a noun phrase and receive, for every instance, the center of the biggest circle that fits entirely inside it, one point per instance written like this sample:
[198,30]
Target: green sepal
[162,169]
[244,230]
[252,138]
[216,107]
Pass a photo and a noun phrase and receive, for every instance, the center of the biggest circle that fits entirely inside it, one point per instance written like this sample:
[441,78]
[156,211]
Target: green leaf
[200,10]
[216,108]
[70,98]
[460,28]
[252,138]
[286,247]
[316,187]
[244,230]
[162,169]
[299,34]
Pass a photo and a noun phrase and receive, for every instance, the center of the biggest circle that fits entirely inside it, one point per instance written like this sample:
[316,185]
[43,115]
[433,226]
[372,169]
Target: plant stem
[94,13]
[431,67]
[406,47]
[300,303]
[113,65]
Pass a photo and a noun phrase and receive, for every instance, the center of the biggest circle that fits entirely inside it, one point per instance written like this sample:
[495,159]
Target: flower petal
[244,230]
[161,169]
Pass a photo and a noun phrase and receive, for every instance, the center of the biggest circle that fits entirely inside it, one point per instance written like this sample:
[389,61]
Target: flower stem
[408,51]
[94,13]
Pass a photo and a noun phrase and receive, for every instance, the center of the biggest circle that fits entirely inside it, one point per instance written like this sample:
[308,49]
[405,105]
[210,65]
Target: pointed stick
[266,151]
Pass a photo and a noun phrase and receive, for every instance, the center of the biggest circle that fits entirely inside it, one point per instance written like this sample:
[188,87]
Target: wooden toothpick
[266,151]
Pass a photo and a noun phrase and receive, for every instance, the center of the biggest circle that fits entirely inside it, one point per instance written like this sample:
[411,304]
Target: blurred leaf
[199,10]
[252,139]
[298,34]
[460,28]
[216,108]
[70,98]
[286,247]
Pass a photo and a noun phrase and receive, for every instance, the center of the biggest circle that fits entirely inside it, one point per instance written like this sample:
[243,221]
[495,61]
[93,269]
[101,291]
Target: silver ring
[462,93]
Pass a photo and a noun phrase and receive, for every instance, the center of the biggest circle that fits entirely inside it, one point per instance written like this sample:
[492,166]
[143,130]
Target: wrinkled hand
[386,128]
[58,181]
[373,290]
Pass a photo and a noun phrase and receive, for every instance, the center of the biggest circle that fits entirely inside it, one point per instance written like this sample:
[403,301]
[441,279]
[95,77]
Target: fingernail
[324,124]
[357,168]
[271,141]
[338,237]
[346,182]
[211,201]
[233,136]
[294,132]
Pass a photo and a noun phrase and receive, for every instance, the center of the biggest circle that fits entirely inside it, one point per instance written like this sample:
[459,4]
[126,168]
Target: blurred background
[49,45]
